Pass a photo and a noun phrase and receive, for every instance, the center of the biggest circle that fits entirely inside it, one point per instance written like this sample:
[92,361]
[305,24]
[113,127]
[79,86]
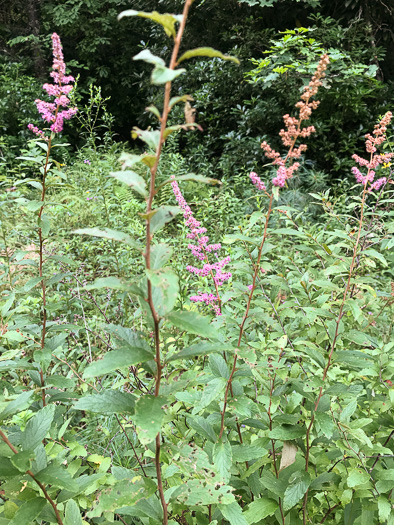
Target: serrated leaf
[120,358]
[17,405]
[148,417]
[233,514]
[150,137]
[114,283]
[286,433]
[7,469]
[348,411]
[222,459]
[298,485]
[131,179]
[37,428]
[73,516]
[107,402]
[206,52]
[57,476]
[107,233]
[384,508]
[242,453]
[28,511]
[357,477]
[193,323]
[45,224]
[204,348]
[260,509]
[202,427]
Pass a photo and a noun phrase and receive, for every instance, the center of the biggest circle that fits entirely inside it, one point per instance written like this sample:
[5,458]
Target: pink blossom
[50,111]
[257,181]
[200,251]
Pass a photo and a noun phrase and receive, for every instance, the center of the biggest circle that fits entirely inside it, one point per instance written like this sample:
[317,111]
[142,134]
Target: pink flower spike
[257,181]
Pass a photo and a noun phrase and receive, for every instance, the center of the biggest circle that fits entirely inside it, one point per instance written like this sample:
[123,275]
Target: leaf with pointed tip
[150,58]
[163,215]
[165,289]
[73,515]
[233,514]
[107,402]
[150,137]
[17,405]
[114,283]
[298,485]
[159,255]
[206,52]
[193,323]
[166,20]
[57,476]
[132,179]
[162,75]
[28,511]
[204,348]
[120,358]
[260,509]
[148,417]
[223,459]
[37,427]
[107,233]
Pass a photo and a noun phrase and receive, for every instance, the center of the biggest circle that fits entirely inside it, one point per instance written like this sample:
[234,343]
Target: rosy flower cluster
[200,250]
[51,112]
[293,129]
[371,144]
[257,181]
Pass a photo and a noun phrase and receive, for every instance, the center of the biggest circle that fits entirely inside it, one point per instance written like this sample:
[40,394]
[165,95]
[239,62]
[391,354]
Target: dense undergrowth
[124,398]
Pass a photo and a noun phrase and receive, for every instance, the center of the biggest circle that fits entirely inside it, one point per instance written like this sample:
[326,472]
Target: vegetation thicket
[199,330]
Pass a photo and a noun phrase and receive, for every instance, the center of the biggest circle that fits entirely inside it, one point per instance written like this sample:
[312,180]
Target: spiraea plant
[272,407]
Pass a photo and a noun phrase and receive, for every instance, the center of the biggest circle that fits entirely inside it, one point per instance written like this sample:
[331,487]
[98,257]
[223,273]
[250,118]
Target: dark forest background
[237,106]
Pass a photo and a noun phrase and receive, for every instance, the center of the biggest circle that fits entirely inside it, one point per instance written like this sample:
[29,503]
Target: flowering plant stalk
[285,171]
[51,113]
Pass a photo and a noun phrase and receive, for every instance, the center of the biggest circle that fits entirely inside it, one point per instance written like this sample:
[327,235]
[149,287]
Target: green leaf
[120,358]
[7,469]
[17,405]
[204,348]
[287,433]
[28,511]
[165,289]
[57,476]
[260,509]
[384,508]
[233,514]
[150,58]
[107,233]
[124,493]
[223,459]
[23,460]
[193,323]
[133,180]
[298,485]
[115,284]
[242,453]
[162,75]
[166,20]
[348,411]
[357,477]
[37,428]
[357,337]
[150,137]
[73,516]
[148,417]
[159,255]
[202,427]
[193,177]
[206,52]
[163,215]
[45,224]
[212,391]
[7,305]
[107,402]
